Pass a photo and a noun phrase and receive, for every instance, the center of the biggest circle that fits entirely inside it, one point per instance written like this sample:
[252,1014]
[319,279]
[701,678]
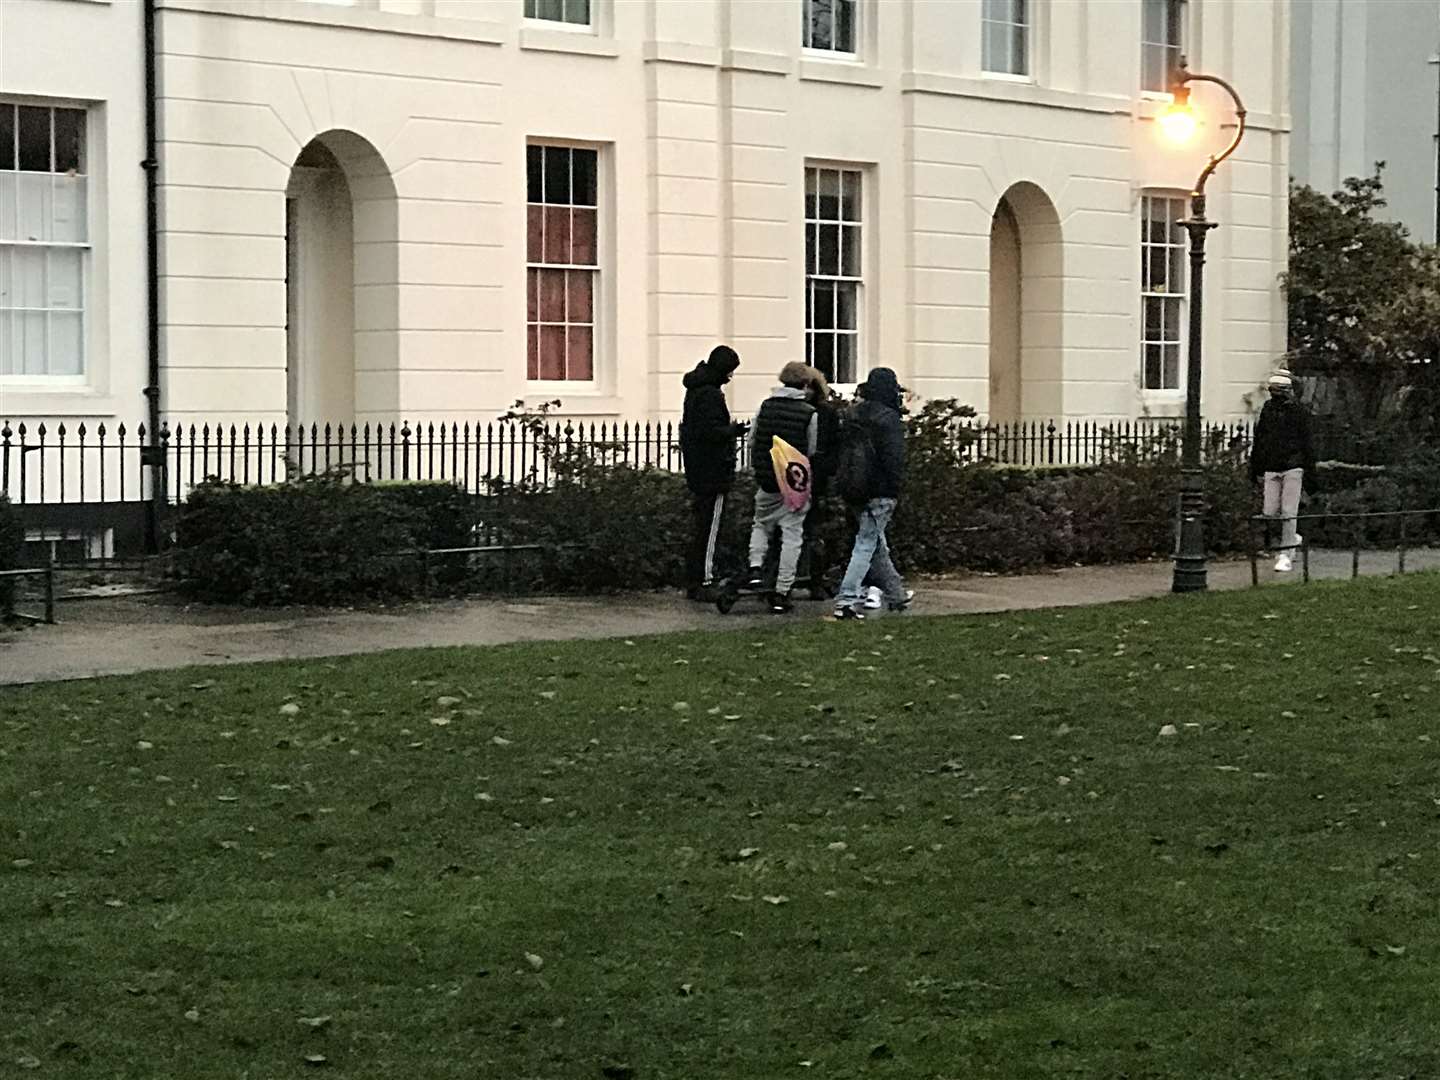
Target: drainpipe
[153,454]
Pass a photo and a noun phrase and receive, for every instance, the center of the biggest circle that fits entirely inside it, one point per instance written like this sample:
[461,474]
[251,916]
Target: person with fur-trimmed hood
[707,444]
[786,413]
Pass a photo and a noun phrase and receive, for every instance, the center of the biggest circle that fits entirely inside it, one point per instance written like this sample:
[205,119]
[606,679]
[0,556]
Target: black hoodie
[707,435]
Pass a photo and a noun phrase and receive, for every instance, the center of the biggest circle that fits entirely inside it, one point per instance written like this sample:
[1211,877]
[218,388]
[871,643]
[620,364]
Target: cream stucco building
[432,208]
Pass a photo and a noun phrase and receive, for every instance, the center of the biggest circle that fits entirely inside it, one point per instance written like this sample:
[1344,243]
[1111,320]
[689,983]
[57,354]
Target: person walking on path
[876,428]
[788,414]
[1282,455]
[814,555]
[707,445]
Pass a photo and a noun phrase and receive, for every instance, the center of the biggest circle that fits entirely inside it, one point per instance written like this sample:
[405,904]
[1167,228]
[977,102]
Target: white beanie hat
[1281,378]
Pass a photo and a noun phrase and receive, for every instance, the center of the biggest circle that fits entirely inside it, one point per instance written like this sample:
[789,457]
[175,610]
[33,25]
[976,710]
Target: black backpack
[855,461]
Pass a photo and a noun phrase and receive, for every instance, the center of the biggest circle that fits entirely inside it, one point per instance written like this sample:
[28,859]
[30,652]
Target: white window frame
[564,25]
[1027,24]
[1173,295]
[86,248]
[1177,14]
[857,30]
[859,332]
[599,297]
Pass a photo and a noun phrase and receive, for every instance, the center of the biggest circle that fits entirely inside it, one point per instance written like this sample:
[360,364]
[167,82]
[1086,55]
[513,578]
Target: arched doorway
[1026,299]
[340,258]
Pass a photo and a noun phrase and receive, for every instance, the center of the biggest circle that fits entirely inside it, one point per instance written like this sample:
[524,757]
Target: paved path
[129,634]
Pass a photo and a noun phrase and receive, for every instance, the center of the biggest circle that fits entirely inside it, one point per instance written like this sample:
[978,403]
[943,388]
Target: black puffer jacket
[787,414]
[707,434]
[1283,440]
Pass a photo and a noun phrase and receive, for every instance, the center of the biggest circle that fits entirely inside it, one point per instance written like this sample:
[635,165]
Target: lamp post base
[1190,573]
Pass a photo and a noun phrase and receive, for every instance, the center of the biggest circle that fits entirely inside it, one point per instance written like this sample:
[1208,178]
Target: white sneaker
[1283,564]
[874,598]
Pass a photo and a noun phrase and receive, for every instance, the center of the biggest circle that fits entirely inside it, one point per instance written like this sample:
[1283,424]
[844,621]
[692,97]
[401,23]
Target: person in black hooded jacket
[707,445]
[879,415]
[1282,455]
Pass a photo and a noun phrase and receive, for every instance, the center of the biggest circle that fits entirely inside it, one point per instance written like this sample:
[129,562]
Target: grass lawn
[914,848]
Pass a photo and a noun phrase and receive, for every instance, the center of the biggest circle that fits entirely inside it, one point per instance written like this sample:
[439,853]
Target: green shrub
[315,541]
[12,536]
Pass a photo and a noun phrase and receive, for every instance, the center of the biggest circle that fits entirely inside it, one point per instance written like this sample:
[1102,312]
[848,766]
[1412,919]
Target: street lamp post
[1190,552]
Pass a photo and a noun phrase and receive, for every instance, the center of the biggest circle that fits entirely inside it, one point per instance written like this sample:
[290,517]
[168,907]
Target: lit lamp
[1179,124]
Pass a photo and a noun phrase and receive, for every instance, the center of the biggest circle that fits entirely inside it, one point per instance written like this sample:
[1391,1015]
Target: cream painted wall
[706,114]
[40,41]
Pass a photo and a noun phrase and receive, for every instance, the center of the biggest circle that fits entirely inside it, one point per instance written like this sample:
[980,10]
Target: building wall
[40,41]
[706,114]
[1366,90]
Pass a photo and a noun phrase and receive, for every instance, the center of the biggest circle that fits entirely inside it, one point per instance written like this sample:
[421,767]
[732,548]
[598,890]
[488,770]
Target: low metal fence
[1355,533]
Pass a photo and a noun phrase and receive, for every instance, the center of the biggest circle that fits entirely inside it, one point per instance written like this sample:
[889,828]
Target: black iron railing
[55,462]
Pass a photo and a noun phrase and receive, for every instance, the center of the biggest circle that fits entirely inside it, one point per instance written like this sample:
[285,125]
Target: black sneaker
[847,613]
[756,580]
[781,604]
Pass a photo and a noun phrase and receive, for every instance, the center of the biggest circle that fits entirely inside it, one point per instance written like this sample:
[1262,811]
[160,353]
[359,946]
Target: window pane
[31,325]
[65,282]
[69,140]
[534,171]
[579,290]
[812,248]
[9,182]
[27,282]
[822,354]
[535,234]
[66,346]
[577,12]
[584,165]
[827,187]
[1154,369]
[557,174]
[34,139]
[1154,315]
[1174,10]
[845,25]
[845,306]
[822,304]
[850,196]
[552,295]
[1154,20]
[532,362]
[68,193]
[850,251]
[995,47]
[554,10]
[532,295]
[8,351]
[1019,51]
[846,363]
[1177,269]
[552,352]
[582,224]
[36,206]
[579,358]
[1172,367]
[1172,319]
[557,234]
[820,27]
[828,256]
[7,136]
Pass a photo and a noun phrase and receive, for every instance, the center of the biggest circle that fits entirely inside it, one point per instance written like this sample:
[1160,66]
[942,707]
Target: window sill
[841,69]
[22,401]
[1002,88]
[483,31]
[577,42]
[1008,77]
[576,399]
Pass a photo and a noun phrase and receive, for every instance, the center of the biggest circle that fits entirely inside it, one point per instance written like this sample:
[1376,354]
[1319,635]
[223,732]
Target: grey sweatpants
[1282,500]
[772,513]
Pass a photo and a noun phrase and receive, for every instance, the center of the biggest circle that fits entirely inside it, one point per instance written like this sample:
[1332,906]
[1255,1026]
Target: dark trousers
[706,513]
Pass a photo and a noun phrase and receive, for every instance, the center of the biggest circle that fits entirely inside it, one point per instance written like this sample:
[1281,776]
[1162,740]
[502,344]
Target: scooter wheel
[725,601]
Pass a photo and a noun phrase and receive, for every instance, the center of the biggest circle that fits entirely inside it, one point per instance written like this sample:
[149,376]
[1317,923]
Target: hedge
[314,541]
[12,536]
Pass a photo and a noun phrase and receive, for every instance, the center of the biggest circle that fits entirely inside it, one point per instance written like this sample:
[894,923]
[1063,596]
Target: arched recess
[1026,304]
[341,270]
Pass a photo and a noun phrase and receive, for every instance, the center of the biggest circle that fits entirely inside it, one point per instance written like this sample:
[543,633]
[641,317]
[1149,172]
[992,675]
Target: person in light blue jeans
[879,415]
